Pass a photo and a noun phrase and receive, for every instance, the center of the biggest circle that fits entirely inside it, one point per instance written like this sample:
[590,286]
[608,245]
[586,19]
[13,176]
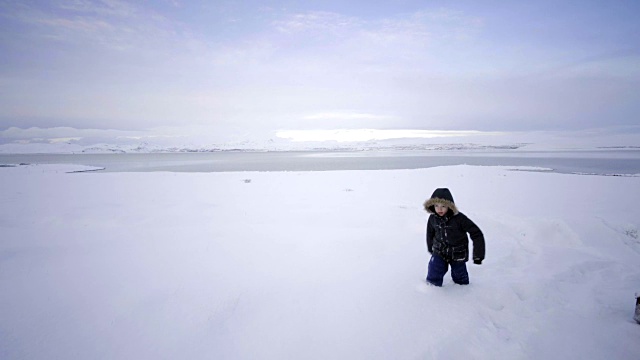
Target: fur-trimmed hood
[440,196]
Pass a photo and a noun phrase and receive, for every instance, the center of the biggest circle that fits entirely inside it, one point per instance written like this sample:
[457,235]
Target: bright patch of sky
[260,67]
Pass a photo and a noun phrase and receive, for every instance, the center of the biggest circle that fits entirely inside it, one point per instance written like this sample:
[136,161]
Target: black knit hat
[440,196]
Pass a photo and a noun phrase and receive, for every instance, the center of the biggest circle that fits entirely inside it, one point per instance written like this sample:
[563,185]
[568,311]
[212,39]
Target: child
[447,239]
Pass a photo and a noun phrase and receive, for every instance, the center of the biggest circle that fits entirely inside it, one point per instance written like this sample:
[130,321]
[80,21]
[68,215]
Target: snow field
[312,265]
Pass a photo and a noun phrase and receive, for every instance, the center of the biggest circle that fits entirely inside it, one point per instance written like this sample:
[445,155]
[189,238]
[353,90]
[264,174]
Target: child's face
[441,209]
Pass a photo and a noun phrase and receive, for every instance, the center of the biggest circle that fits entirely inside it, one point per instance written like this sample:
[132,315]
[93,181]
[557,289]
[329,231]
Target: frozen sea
[601,162]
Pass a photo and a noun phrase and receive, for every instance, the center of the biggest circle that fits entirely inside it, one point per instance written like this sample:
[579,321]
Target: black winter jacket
[447,237]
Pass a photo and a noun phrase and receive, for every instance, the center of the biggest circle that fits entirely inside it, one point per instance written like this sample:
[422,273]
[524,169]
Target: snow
[202,139]
[312,265]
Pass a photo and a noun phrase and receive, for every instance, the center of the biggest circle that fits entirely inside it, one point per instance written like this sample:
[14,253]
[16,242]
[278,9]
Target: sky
[232,68]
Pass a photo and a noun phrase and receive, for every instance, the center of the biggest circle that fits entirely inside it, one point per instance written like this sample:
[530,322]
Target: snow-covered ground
[77,141]
[313,265]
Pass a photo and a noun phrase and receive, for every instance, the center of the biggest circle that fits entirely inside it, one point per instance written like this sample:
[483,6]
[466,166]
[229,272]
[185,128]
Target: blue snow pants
[438,267]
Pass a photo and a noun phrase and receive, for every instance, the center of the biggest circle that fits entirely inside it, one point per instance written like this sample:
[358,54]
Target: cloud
[318,22]
[348,135]
[344,116]
[144,65]
[103,7]
[621,63]
[106,25]
[382,43]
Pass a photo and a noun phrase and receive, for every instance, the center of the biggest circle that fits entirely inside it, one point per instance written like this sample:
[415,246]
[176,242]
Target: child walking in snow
[447,239]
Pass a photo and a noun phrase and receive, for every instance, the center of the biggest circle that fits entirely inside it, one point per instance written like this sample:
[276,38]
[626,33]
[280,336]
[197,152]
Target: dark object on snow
[636,317]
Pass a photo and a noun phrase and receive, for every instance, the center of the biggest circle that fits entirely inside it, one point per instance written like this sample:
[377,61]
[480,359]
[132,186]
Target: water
[604,162]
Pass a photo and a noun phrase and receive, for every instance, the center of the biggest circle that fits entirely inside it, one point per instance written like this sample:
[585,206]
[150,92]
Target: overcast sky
[295,65]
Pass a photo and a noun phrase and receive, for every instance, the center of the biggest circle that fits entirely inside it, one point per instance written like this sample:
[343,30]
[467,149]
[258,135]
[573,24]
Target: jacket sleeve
[476,236]
[430,233]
